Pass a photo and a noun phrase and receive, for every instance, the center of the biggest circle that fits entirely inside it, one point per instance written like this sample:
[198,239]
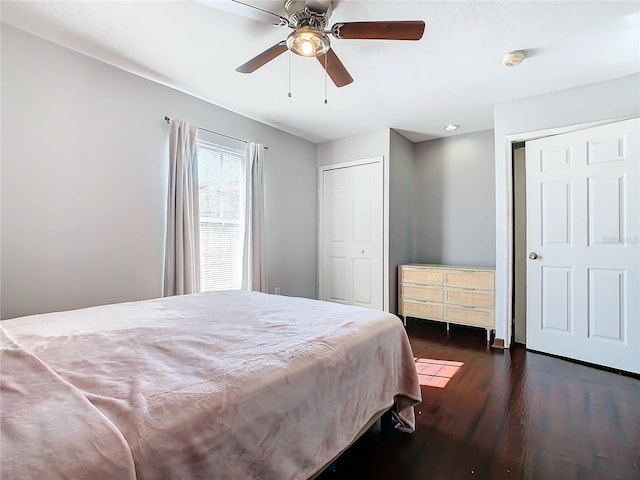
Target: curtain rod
[167,119]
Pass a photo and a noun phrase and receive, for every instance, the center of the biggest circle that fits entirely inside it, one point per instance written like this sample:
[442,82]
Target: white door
[583,285]
[351,226]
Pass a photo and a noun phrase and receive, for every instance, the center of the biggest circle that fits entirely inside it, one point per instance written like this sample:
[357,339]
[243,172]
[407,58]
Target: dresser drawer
[422,309]
[469,279]
[431,276]
[470,297]
[428,293]
[478,317]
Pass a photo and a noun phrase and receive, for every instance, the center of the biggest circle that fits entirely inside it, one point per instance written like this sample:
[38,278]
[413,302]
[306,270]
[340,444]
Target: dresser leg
[447,329]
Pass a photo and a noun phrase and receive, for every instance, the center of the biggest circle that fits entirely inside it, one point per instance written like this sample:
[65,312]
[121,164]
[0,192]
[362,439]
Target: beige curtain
[254,275]
[182,247]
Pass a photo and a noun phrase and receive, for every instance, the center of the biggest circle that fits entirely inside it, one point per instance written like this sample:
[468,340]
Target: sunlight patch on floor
[436,373]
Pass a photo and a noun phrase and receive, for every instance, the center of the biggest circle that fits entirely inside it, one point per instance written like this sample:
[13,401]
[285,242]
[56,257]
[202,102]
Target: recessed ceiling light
[513,59]
[452,127]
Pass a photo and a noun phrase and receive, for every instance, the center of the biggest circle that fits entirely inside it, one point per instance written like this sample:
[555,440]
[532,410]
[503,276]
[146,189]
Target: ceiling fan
[309,38]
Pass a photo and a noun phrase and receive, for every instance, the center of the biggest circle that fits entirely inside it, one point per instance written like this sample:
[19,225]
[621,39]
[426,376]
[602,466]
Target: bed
[221,385]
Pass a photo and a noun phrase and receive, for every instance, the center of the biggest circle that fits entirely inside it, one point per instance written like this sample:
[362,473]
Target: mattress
[222,385]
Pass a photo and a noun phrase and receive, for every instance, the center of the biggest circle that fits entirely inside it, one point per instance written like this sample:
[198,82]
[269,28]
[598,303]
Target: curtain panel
[182,247]
[254,275]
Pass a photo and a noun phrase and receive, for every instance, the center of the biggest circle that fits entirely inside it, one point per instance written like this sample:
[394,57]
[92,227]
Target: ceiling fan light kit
[309,20]
[308,42]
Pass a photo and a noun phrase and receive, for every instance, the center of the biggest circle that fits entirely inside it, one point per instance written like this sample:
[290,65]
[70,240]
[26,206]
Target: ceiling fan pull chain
[289,74]
[325,78]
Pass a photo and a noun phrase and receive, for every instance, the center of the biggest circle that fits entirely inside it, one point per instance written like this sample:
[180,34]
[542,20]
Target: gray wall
[614,99]
[84,176]
[401,198]
[520,244]
[368,145]
[454,208]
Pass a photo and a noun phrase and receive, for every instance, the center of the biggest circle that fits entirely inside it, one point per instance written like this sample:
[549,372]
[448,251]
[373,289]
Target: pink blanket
[49,429]
[223,385]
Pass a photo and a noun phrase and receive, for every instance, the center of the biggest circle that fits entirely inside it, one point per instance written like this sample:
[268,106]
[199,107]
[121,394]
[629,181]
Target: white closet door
[583,223]
[352,235]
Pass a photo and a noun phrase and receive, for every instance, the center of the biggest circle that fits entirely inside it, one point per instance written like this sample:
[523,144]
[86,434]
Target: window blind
[222,184]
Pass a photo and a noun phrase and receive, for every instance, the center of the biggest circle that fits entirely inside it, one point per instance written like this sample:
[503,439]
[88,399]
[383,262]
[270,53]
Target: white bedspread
[225,385]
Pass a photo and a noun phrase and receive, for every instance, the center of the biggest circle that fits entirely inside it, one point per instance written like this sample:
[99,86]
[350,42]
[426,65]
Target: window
[221,177]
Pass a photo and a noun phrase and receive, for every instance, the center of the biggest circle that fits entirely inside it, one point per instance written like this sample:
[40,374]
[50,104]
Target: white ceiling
[452,75]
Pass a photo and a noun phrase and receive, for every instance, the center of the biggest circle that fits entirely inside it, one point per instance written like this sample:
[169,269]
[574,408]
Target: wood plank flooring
[506,415]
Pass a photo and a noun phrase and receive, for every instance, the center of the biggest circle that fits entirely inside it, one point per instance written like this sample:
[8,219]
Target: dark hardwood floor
[508,414]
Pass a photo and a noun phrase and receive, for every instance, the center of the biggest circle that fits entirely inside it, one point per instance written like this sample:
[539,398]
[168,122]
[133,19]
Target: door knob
[533,255]
[361,251]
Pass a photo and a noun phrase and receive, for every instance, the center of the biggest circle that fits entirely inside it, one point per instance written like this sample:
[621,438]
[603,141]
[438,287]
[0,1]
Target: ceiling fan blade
[403,30]
[261,13]
[335,68]
[266,56]
[247,10]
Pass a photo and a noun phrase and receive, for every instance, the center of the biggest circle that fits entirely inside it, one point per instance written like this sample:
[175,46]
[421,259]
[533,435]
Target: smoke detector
[513,59]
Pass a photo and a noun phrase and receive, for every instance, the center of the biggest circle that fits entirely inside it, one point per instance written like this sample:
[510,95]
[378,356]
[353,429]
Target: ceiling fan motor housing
[303,13]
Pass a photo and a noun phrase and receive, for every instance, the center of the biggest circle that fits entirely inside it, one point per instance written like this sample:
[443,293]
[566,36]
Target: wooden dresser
[450,294]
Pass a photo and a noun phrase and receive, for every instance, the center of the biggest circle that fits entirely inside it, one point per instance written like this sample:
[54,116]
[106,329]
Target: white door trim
[385,222]
[504,268]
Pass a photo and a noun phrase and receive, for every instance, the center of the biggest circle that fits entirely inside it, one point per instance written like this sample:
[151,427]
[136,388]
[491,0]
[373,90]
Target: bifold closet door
[352,235]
